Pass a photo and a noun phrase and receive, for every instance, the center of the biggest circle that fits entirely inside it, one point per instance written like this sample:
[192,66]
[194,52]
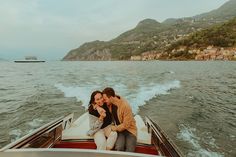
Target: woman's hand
[101,111]
[101,118]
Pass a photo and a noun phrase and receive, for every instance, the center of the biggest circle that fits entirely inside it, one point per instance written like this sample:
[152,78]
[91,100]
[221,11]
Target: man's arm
[127,120]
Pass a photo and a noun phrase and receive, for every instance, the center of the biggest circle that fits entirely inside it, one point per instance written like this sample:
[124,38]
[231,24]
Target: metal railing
[43,137]
[161,141]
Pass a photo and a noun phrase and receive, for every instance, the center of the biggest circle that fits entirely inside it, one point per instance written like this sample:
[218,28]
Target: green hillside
[223,35]
[226,11]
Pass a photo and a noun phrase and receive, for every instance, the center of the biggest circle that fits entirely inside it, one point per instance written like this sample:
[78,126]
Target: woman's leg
[100,140]
[111,137]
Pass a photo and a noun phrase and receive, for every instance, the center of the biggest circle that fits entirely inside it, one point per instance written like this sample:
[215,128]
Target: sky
[49,29]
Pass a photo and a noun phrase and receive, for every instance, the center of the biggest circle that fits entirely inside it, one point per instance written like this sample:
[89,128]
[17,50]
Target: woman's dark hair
[92,99]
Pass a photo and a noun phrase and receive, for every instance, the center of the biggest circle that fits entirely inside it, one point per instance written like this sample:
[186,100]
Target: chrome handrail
[164,144]
[38,132]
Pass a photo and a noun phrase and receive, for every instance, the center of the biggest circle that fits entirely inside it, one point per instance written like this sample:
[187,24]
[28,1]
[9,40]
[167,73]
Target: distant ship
[29,59]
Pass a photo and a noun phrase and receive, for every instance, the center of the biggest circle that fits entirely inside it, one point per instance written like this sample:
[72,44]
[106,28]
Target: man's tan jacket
[125,116]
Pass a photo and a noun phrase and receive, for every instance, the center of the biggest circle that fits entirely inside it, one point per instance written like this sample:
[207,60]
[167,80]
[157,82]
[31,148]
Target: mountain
[140,39]
[151,36]
[223,35]
[226,11]
[215,43]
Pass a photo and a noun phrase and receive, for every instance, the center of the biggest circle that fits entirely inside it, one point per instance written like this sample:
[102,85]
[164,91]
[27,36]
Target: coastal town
[209,53]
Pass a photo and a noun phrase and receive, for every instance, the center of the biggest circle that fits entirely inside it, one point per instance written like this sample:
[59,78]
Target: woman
[100,122]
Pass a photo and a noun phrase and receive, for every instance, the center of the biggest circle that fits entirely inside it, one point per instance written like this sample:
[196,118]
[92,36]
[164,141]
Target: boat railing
[43,137]
[163,144]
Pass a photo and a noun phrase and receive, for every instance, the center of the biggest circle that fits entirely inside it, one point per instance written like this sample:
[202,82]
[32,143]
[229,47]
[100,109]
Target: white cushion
[79,128]
[143,136]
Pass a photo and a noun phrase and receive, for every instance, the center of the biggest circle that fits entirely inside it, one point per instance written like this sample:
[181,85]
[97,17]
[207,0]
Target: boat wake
[81,93]
[138,96]
[146,93]
[18,133]
[188,135]
[35,124]
[15,134]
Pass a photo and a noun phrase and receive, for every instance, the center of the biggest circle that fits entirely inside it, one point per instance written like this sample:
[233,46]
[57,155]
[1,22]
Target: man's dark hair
[109,92]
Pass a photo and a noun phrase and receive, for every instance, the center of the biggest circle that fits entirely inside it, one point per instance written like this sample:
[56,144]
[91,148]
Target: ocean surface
[194,102]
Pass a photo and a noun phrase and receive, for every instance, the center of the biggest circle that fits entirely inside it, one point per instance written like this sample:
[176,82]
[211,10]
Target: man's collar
[115,100]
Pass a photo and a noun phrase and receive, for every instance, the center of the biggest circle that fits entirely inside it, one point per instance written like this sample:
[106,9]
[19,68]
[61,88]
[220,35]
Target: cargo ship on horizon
[29,59]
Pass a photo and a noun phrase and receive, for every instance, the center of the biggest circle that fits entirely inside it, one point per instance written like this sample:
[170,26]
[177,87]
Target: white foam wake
[15,134]
[188,134]
[146,93]
[135,96]
[34,124]
[81,93]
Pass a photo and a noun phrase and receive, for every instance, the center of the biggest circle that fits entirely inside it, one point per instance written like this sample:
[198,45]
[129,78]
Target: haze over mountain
[151,35]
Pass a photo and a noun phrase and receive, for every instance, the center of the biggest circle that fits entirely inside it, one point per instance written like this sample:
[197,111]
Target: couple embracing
[111,121]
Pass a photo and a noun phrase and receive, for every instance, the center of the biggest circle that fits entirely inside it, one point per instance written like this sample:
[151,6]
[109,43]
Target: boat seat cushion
[78,130]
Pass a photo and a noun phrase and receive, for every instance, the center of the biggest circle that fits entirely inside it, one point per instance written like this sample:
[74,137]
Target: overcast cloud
[48,29]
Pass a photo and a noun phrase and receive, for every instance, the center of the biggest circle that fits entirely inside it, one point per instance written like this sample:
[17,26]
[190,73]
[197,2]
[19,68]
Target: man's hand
[113,128]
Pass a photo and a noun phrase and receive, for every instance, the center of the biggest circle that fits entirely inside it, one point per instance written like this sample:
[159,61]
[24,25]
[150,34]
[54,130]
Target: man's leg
[130,141]
[120,142]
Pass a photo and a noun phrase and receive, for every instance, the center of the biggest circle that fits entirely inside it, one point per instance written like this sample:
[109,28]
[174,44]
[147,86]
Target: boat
[65,137]
[29,59]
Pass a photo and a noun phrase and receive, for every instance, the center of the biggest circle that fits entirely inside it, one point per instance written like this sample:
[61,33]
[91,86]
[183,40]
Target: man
[123,119]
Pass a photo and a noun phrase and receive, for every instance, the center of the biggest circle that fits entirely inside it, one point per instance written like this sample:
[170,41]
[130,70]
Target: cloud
[52,26]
